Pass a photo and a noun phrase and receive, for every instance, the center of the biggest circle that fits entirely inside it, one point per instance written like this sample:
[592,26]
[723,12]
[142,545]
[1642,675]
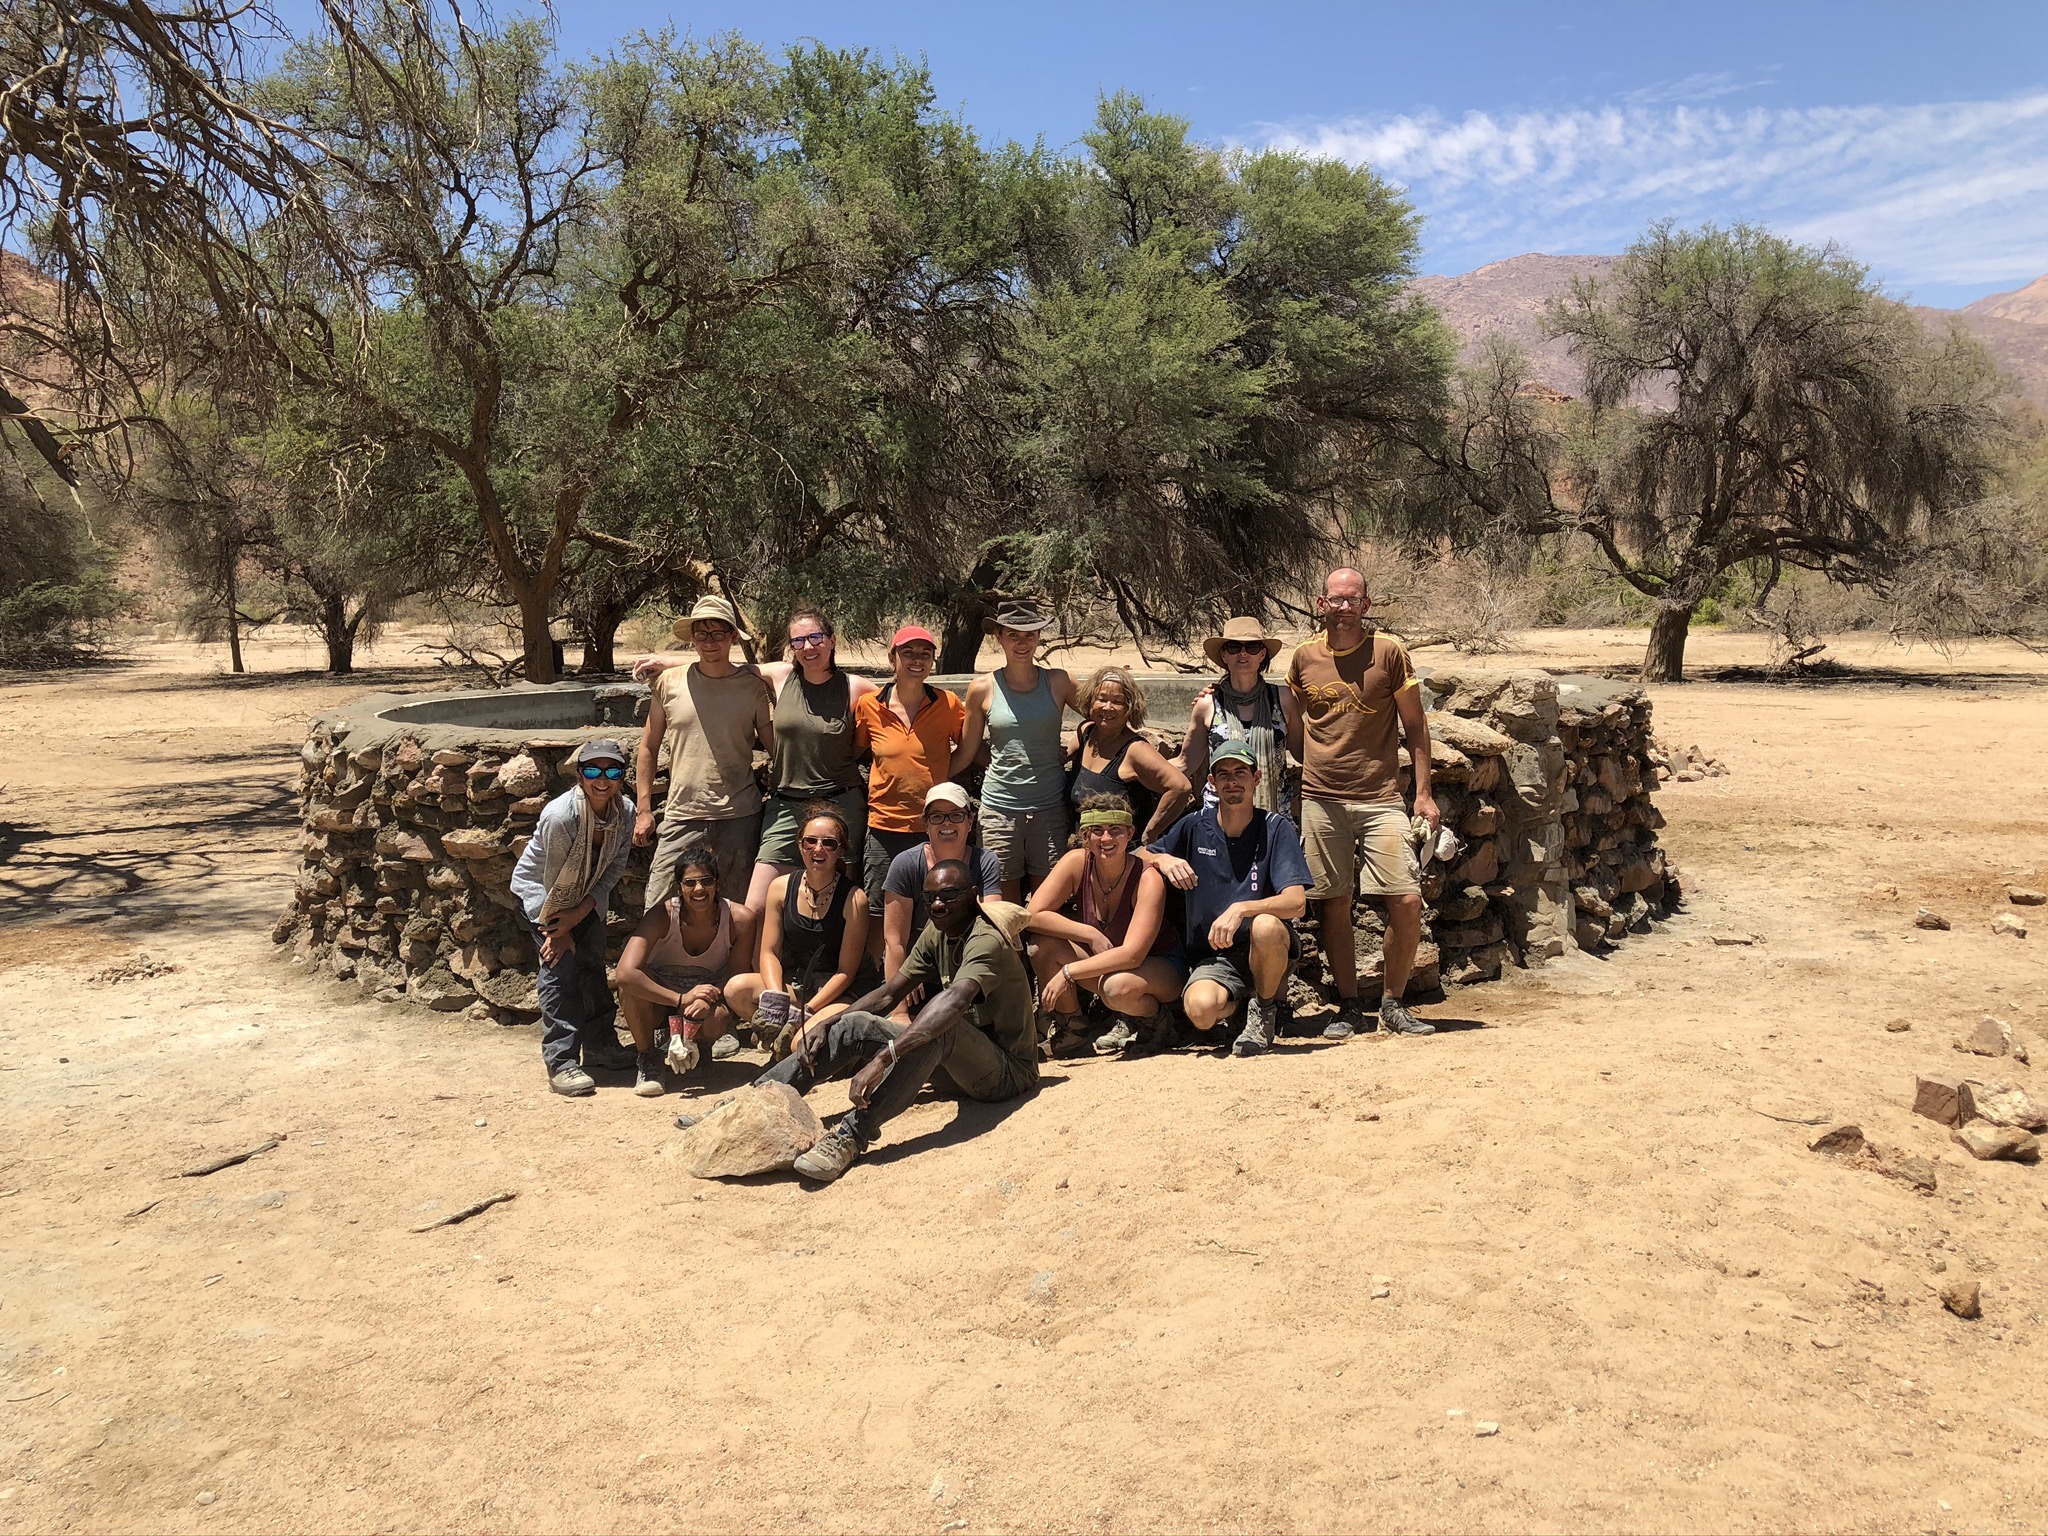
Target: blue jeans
[576,1004]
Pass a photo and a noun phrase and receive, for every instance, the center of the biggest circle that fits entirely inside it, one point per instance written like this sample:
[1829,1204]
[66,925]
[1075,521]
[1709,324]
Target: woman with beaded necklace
[814,934]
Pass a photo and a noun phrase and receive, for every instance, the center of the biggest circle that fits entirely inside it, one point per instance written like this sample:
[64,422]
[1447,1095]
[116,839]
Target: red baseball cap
[910,632]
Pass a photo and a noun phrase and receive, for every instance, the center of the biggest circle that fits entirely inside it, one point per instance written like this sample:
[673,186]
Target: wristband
[891,1049]
[1067,973]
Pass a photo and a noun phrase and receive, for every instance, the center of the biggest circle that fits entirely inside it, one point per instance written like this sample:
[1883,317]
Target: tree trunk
[1664,660]
[339,633]
[961,642]
[537,645]
[234,618]
[599,631]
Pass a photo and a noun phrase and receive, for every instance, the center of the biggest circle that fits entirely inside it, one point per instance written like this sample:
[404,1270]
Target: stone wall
[414,809]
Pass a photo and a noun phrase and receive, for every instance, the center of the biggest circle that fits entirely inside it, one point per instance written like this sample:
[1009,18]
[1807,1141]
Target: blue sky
[1914,134]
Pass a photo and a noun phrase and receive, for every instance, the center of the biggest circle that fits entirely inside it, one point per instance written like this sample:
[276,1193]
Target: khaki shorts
[1026,843]
[732,843]
[1337,833]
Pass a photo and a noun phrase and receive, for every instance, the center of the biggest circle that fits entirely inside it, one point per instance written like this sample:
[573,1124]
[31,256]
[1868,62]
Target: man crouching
[975,1035]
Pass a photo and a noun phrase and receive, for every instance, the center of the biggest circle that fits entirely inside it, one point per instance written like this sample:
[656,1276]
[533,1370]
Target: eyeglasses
[1244,647]
[699,884]
[1342,600]
[945,818]
[711,632]
[819,842]
[815,637]
[600,771]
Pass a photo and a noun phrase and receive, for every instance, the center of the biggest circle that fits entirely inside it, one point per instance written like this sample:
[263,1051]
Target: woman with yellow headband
[1101,923]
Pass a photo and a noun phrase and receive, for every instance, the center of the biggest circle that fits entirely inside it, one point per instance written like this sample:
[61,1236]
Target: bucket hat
[1239,629]
[710,607]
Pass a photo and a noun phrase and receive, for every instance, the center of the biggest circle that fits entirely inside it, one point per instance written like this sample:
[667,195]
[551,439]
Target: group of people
[867,918]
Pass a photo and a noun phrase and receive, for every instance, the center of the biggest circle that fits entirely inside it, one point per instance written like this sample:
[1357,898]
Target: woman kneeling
[1101,923]
[677,964]
[814,935]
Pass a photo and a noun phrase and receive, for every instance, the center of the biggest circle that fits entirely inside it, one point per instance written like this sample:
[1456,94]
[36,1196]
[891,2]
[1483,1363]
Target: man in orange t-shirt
[911,730]
[1353,685]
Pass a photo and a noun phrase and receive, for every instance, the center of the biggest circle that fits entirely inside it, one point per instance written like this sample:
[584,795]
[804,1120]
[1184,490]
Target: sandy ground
[1140,1300]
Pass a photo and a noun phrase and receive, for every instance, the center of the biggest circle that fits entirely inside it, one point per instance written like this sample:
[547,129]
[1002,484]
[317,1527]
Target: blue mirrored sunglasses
[601,771]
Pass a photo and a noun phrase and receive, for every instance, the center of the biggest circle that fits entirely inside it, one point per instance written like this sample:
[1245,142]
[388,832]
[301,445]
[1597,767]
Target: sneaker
[1257,1034]
[647,1076]
[831,1157]
[1398,1020]
[1347,1023]
[1119,1037]
[605,1057]
[725,1047]
[573,1081]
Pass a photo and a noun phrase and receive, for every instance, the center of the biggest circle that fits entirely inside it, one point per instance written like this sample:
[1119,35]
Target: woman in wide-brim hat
[1020,614]
[1244,705]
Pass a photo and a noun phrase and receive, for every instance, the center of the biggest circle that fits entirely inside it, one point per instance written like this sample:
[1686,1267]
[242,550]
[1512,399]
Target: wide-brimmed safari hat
[1240,629]
[709,607]
[1020,614]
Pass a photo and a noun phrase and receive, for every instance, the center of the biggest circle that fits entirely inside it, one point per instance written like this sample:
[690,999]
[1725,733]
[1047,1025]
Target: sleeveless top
[1117,921]
[810,946]
[1083,781]
[1027,769]
[669,952]
[814,738]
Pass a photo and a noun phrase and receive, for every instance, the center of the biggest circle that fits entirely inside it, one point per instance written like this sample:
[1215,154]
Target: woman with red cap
[910,729]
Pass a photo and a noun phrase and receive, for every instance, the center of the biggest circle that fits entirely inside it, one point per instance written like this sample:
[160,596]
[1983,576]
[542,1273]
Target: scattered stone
[1897,1026]
[204,1498]
[1885,892]
[1918,1172]
[1382,1288]
[140,968]
[1997,1143]
[1939,1099]
[2002,1104]
[1041,1287]
[1827,1341]
[1728,939]
[1989,1037]
[759,1129]
[1484,1429]
[1965,1298]
[2010,922]
[1926,917]
[2020,896]
[1842,1141]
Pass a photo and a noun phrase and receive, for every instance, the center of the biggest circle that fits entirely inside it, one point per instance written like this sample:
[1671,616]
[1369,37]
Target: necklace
[1104,898]
[819,896]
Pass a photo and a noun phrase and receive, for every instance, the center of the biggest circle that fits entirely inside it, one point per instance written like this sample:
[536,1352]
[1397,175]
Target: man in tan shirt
[712,713]
[1353,685]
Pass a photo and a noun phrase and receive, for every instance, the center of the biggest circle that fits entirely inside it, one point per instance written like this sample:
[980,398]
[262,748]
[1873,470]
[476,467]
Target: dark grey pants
[963,1058]
[576,1003]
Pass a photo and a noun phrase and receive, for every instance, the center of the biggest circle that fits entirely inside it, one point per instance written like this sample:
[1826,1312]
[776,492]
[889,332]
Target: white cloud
[1942,194]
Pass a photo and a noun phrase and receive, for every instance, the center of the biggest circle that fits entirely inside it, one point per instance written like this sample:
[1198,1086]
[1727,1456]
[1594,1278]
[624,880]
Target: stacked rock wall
[411,826]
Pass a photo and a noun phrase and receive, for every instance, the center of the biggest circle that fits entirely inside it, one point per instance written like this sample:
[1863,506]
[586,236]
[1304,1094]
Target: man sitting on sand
[1246,881]
[563,882]
[976,1035]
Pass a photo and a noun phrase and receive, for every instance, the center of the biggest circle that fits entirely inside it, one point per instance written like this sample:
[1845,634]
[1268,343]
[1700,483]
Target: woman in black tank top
[1123,762]
[814,935]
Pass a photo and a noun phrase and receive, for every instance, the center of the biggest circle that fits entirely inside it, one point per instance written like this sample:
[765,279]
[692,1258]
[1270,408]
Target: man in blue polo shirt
[1245,878]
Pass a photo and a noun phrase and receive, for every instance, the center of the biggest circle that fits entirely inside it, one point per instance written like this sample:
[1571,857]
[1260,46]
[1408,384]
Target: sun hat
[1019,613]
[717,609]
[910,633]
[1239,629]
[601,747]
[1233,752]
[947,794]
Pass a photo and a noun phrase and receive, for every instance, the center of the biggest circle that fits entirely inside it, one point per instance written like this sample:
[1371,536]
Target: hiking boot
[1068,1037]
[1119,1037]
[647,1076]
[607,1057]
[1348,1022]
[1397,1020]
[725,1047]
[831,1157]
[573,1082]
[1260,1017]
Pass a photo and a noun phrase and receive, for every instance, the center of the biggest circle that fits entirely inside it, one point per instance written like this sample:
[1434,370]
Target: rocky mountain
[1508,298]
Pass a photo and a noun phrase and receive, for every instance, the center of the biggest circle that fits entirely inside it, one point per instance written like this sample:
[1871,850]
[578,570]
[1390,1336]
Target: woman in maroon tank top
[1101,923]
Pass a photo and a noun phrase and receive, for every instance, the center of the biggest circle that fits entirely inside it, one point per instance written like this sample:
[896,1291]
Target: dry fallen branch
[227,1162]
[468,1211]
[143,1210]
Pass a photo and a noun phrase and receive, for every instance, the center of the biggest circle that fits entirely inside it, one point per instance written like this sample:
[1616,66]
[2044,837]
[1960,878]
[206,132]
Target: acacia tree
[1749,399]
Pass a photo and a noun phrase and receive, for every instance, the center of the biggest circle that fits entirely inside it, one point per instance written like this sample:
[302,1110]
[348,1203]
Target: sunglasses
[1244,648]
[600,771]
[819,842]
[815,637]
[1114,829]
[932,897]
[699,884]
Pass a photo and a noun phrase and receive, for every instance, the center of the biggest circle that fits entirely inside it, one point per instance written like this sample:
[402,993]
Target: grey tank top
[814,738]
[1027,770]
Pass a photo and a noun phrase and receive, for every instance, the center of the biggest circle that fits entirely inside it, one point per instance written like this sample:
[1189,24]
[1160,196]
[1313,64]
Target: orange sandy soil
[1139,1300]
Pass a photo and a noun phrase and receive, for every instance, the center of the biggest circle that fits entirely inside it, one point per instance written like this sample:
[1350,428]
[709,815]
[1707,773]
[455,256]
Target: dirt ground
[1140,1300]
